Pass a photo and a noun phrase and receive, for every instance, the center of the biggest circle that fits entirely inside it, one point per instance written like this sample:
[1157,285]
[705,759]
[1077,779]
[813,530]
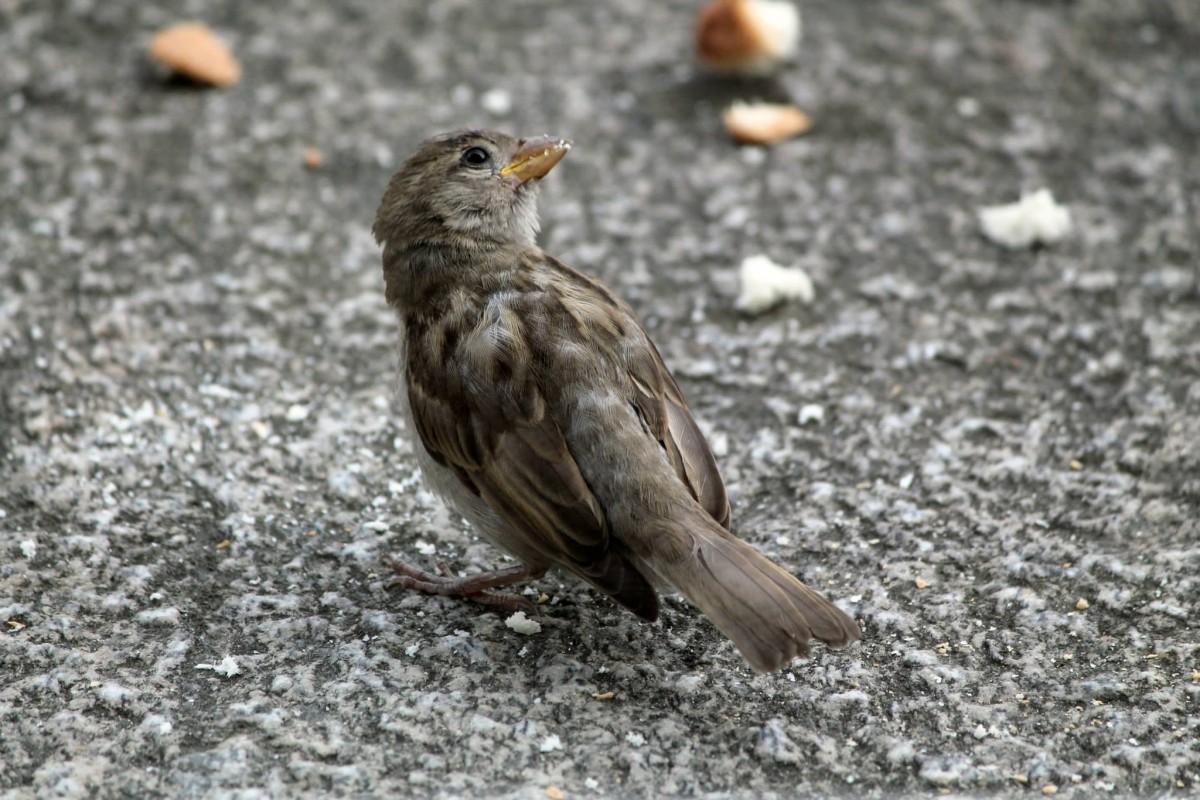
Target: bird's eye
[476,157]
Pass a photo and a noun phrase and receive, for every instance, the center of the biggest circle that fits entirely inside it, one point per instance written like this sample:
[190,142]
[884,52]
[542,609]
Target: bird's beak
[536,157]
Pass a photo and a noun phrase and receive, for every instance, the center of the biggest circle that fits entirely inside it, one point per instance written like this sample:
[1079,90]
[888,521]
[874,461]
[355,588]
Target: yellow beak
[536,157]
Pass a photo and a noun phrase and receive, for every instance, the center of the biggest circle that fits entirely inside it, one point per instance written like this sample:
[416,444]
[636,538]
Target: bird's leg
[473,587]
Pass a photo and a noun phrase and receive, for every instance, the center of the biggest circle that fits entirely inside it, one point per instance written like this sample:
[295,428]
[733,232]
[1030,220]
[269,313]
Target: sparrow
[541,412]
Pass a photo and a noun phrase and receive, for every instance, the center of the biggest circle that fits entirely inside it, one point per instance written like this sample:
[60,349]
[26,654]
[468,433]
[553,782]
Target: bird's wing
[665,413]
[654,392]
[504,447]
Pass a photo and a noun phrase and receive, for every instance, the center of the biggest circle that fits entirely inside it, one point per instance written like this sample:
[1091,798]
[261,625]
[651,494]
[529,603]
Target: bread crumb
[555,793]
[523,624]
[766,284]
[193,50]
[296,413]
[228,667]
[313,158]
[496,101]
[811,413]
[753,37]
[921,583]
[764,123]
[1035,218]
[1082,604]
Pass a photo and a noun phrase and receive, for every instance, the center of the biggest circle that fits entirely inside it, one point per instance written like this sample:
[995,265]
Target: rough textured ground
[199,457]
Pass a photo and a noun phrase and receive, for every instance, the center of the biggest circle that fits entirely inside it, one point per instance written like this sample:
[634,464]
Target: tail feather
[618,578]
[769,614]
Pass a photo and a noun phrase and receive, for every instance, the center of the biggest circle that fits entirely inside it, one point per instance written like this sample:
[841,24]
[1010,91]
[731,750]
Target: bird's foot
[472,587]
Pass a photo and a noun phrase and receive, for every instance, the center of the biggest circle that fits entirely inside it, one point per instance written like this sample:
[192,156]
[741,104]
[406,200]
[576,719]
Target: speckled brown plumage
[544,414]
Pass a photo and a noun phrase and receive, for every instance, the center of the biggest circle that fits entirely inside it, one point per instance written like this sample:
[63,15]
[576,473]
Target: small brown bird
[541,411]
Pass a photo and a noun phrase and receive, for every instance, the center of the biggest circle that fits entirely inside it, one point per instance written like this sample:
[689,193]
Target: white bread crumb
[228,667]
[523,624]
[766,284]
[1034,218]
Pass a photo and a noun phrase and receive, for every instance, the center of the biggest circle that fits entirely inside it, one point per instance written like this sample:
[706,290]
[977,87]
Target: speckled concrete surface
[199,458]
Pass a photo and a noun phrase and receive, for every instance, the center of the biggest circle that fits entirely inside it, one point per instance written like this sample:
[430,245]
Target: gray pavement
[200,459]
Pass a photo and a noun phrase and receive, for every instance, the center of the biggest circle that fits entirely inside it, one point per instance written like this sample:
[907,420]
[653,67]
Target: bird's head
[468,187]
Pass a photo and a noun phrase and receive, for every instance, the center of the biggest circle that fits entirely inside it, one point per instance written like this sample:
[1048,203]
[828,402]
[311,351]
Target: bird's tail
[769,614]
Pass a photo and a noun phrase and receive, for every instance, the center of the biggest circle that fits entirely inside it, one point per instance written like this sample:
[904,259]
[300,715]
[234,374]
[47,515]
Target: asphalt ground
[200,458]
